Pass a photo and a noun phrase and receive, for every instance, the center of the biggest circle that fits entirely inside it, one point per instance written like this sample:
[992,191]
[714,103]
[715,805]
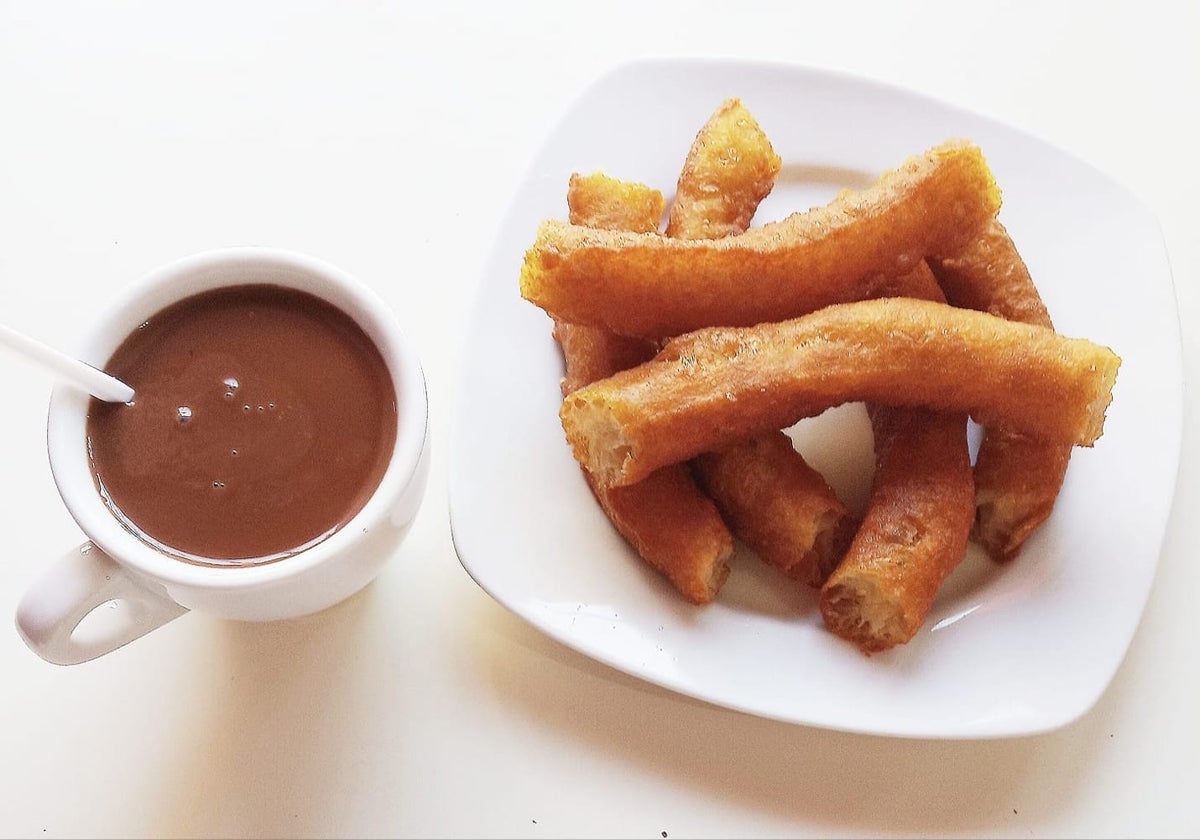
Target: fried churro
[770,498]
[1017,480]
[728,171]
[990,276]
[602,202]
[778,505]
[918,515]
[711,388]
[645,284]
[667,520]
[913,534]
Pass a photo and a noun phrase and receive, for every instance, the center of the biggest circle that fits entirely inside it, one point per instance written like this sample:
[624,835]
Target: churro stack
[688,351]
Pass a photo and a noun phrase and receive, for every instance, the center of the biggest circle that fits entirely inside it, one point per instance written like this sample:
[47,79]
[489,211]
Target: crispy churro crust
[729,170]
[674,527]
[777,504]
[913,534]
[645,284]
[917,520]
[1017,480]
[770,498]
[591,353]
[711,388]
[602,202]
[990,276]
[671,524]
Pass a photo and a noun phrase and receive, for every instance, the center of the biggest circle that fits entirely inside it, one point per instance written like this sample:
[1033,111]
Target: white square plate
[1007,650]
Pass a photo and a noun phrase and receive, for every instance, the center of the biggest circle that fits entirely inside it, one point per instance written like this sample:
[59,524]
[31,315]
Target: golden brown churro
[914,532]
[711,388]
[729,170]
[918,516]
[604,203]
[777,504]
[644,284]
[665,518]
[596,200]
[1017,480]
[674,527]
[990,276]
[591,353]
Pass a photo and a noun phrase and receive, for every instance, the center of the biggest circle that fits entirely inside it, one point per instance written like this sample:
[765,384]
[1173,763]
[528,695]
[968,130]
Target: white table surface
[389,139]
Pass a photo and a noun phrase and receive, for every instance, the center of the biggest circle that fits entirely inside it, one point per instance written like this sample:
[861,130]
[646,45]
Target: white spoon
[96,382]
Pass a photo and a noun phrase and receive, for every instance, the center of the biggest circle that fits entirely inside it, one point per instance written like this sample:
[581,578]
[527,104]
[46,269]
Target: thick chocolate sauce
[262,421]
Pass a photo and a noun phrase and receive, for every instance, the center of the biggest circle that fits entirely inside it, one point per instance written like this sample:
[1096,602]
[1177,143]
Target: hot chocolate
[263,420]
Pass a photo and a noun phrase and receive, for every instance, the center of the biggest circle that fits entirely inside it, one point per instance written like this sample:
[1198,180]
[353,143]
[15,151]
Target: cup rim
[67,412]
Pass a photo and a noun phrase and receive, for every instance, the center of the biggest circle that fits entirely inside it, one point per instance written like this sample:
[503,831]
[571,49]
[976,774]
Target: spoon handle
[95,382]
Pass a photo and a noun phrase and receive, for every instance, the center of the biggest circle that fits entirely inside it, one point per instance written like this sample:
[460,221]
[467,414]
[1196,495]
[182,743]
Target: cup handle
[50,617]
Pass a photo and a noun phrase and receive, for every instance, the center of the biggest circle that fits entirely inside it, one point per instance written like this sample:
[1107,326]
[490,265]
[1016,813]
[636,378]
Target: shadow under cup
[312,576]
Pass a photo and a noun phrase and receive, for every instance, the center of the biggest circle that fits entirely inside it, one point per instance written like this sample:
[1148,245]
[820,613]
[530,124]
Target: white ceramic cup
[115,587]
